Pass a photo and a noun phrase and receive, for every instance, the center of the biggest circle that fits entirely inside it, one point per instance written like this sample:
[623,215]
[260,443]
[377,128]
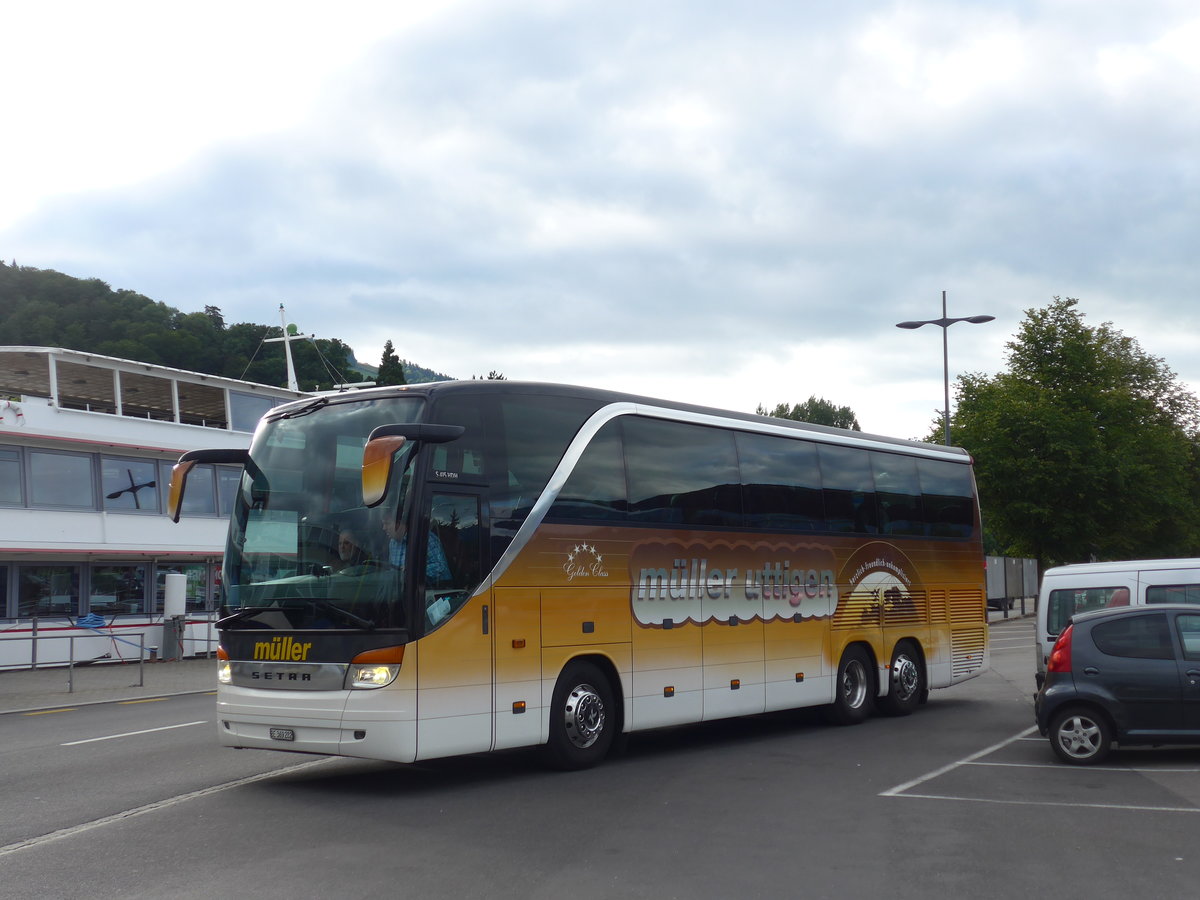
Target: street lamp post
[945,324]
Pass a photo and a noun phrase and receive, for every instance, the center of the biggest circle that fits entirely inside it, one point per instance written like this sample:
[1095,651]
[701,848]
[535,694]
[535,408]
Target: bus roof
[436,389]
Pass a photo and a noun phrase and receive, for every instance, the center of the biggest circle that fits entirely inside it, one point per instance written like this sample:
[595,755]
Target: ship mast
[290,333]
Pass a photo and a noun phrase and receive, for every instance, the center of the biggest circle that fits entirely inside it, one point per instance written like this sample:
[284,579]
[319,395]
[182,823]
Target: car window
[1173,593]
[1189,634]
[1066,602]
[1137,637]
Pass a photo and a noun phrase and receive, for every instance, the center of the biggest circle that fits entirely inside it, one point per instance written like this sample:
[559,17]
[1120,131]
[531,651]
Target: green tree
[41,307]
[391,369]
[1085,447]
[816,410]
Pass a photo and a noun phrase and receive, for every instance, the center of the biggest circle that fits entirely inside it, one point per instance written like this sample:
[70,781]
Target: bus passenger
[437,569]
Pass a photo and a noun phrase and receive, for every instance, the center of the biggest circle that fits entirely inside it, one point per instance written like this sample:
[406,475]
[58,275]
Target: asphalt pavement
[54,687]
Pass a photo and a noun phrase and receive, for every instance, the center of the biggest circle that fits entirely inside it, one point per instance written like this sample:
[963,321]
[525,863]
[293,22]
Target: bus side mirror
[385,442]
[189,461]
[377,466]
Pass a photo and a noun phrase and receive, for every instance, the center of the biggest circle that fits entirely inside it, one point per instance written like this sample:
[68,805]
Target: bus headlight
[375,668]
[372,676]
[224,669]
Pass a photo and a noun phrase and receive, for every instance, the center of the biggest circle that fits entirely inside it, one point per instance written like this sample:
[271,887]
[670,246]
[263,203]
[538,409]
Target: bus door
[454,660]
[517,626]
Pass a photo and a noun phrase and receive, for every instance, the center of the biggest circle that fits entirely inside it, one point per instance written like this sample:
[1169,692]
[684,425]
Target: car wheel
[1080,737]
[852,689]
[582,718]
[906,681]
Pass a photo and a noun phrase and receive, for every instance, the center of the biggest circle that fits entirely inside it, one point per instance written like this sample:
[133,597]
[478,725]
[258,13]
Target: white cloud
[114,92]
[724,206]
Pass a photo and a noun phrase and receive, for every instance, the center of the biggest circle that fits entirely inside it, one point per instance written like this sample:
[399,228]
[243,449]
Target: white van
[1067,590]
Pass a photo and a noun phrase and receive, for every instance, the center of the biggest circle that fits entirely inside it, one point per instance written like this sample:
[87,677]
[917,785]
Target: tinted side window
[781,483]
[535,431]
[1136,637]
[947,497]
[1173,593]
[596,486]
[849,489]
[463,458]
[680,473]
[898,493]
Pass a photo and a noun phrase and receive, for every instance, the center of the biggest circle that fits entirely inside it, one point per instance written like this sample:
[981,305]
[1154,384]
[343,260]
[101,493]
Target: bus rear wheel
[582,718]
[853,689]
[906,681]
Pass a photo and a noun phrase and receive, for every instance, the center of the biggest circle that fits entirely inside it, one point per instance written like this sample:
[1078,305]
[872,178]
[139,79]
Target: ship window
[117,589]
[11,493]
[61,480]
[129,484]
[48,591]
[247,409]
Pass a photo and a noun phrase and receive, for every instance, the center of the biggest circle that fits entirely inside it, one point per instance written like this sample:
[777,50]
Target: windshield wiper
[306,408]
[244,613]
[345,614]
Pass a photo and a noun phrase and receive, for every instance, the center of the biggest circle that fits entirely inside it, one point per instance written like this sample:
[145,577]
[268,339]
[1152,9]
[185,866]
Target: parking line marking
[950,767]
[157,805]
[1186,809]
[902,790]
[110,737]
[1002,765]
[1138,769]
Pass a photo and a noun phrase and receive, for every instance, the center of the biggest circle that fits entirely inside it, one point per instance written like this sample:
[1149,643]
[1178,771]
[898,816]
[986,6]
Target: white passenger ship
[86,448]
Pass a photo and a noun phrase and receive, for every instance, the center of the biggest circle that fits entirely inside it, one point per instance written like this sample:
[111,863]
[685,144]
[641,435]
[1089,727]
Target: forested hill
[44,308]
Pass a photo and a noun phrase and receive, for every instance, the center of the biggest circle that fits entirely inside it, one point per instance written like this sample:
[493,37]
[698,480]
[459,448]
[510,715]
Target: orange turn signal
[382,656]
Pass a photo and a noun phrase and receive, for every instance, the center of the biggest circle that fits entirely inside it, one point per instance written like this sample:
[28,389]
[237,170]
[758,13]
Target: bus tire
[853,689]
[582,718]
[906,681]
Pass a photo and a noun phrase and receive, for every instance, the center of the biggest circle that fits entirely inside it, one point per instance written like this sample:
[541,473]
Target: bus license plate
[283,734]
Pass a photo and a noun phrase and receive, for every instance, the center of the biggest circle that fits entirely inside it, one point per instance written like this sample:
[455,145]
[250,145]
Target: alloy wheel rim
[584,716]
[1079,737]
[905,677]
[854,684]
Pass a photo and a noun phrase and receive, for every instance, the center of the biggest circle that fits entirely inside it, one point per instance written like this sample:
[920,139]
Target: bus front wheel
[853,689]
[582,718]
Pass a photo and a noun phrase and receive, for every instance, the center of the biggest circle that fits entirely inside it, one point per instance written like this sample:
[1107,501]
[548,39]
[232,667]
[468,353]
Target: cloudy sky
[720,203]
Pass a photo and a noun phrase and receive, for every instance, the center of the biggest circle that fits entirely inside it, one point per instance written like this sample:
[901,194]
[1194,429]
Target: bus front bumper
[369,724]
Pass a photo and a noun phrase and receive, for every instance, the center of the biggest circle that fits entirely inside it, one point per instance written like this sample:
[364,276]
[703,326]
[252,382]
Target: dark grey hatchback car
[1130,675]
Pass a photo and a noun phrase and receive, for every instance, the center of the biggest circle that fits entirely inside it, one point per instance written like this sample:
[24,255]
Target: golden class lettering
[282,649]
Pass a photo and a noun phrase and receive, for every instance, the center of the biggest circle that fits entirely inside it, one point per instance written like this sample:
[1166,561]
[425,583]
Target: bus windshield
[304,552]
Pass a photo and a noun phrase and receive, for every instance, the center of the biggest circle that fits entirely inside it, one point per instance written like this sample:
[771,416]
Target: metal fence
[71,662]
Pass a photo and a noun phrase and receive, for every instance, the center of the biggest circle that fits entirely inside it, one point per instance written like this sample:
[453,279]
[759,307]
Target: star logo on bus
[584,561]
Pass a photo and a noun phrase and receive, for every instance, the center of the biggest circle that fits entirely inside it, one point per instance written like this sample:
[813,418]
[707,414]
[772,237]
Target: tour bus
[1067,590]
[420,571]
